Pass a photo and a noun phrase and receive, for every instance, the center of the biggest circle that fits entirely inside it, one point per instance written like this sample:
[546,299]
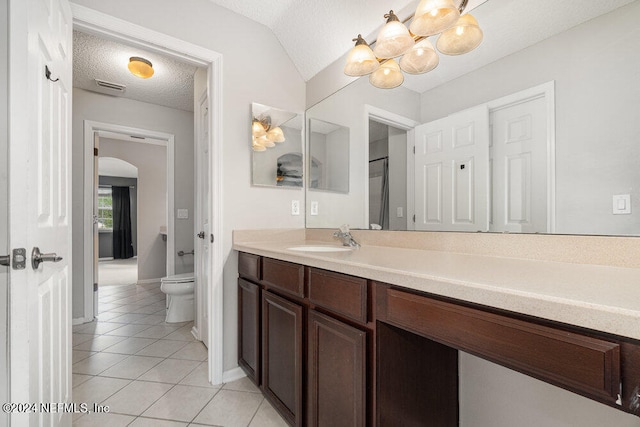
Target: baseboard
[109,258]
[80,321]
[195,333]
[233,375]
[148,281]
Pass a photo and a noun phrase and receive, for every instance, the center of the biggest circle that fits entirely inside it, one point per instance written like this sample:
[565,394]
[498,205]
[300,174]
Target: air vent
[138,137]
[116,87]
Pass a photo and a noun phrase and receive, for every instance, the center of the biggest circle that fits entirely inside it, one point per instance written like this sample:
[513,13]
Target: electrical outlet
[295,207]
[399,212]
[314,208]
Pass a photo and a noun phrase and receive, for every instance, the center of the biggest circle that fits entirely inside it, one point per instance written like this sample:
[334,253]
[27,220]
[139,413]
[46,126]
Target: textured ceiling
[97,58]
[315,33]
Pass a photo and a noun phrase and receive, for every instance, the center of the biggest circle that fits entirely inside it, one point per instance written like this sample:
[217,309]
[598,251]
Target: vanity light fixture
[458,35]
[140,67]
[263,135]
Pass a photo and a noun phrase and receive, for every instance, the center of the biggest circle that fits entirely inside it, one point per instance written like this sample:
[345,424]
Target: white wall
[494,396]
[347,109]
[151,162]
[103,108]
[243,44]
[595,67]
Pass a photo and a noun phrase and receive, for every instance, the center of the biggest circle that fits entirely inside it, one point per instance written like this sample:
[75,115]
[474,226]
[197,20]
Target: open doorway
[117,215]
[113,29]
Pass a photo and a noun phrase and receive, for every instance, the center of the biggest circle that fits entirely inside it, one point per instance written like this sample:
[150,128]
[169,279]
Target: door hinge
[414,149]
[212,238]
[95,287]
[95,152]
[414,218]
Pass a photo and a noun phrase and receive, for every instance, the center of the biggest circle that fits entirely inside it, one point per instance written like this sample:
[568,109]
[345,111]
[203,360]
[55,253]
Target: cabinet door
[336,373]
[249,329]
[282,356]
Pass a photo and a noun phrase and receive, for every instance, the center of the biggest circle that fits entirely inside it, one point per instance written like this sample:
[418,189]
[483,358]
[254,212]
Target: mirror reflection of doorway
[117,195]
[387,177]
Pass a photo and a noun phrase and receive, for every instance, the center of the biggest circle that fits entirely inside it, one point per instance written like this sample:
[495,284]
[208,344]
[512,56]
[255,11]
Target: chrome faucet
[345,235]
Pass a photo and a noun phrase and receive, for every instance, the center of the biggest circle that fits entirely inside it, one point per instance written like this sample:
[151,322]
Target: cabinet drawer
[579,363]
[345,295]
[249,266]
[283,275]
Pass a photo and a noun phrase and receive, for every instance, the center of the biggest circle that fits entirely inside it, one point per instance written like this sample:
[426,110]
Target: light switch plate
[183,213]
[399,212]
[622,204]
[314,208]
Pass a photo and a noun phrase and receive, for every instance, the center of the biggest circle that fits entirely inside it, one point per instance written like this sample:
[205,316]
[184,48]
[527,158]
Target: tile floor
[152,373]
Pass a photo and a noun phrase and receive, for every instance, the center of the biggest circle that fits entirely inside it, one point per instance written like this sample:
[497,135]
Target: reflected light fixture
[264,135]
[458,35]
[140,67]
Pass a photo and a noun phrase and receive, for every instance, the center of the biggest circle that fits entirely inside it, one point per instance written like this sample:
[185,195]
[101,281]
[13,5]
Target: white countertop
[598,297]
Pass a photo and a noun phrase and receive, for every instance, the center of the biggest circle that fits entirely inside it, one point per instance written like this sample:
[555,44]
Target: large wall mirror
[541,137]
[277,144]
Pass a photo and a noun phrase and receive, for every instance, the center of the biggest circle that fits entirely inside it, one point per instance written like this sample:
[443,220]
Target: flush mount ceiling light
[458,35]
[140,67]
[264,135]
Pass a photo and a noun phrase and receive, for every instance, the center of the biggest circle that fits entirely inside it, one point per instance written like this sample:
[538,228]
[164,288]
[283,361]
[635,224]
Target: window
[105,209]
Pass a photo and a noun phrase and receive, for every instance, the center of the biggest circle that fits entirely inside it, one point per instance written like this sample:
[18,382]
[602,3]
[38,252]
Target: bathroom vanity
[371,336]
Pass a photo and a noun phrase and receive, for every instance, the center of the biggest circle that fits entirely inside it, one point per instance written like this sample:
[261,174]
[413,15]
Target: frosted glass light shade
[361,60]
[393,40]
[275,135]
[258,147]
[387,76]
[433,17]
[257,129]
[463,37]
[140,67]
[420,59]
[264,141]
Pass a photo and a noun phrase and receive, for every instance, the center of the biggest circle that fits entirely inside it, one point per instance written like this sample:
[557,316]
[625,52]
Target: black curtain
[122,243]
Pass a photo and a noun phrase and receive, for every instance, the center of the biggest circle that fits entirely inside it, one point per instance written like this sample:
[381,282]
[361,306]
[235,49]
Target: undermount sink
[320,248]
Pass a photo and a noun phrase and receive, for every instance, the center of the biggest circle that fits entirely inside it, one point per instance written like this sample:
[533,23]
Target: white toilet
[180,297]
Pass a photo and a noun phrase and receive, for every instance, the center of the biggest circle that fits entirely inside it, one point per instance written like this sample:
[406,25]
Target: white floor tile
[131,367]
[136,397]
[79,355]
[130,345]
[181,403]
[182,334]
[97,363]
[152,319]
[230,409]
[199,377]
[97,389]
[128,330]
[102,419]
[127,318]
[162,348]
[77,379]
[152,422]
[99,343]
[157,331]
[267,417]
[77,338]
[170,371]
[243,384]
[99,328]
[192,351]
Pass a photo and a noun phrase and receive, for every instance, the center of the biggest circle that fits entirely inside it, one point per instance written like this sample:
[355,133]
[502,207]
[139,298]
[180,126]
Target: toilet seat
[178,278]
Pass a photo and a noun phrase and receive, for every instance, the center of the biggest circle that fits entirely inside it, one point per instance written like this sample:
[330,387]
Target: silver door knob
[201,234]
[38,258]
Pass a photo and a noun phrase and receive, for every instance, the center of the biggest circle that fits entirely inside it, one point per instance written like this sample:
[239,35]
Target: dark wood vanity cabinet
[249,334]
[328,349]
[336,373]
[282,355]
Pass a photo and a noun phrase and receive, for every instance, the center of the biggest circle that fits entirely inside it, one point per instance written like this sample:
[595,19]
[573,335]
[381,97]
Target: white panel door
[520,170]
[202,244]
[40,205]
[451,172]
